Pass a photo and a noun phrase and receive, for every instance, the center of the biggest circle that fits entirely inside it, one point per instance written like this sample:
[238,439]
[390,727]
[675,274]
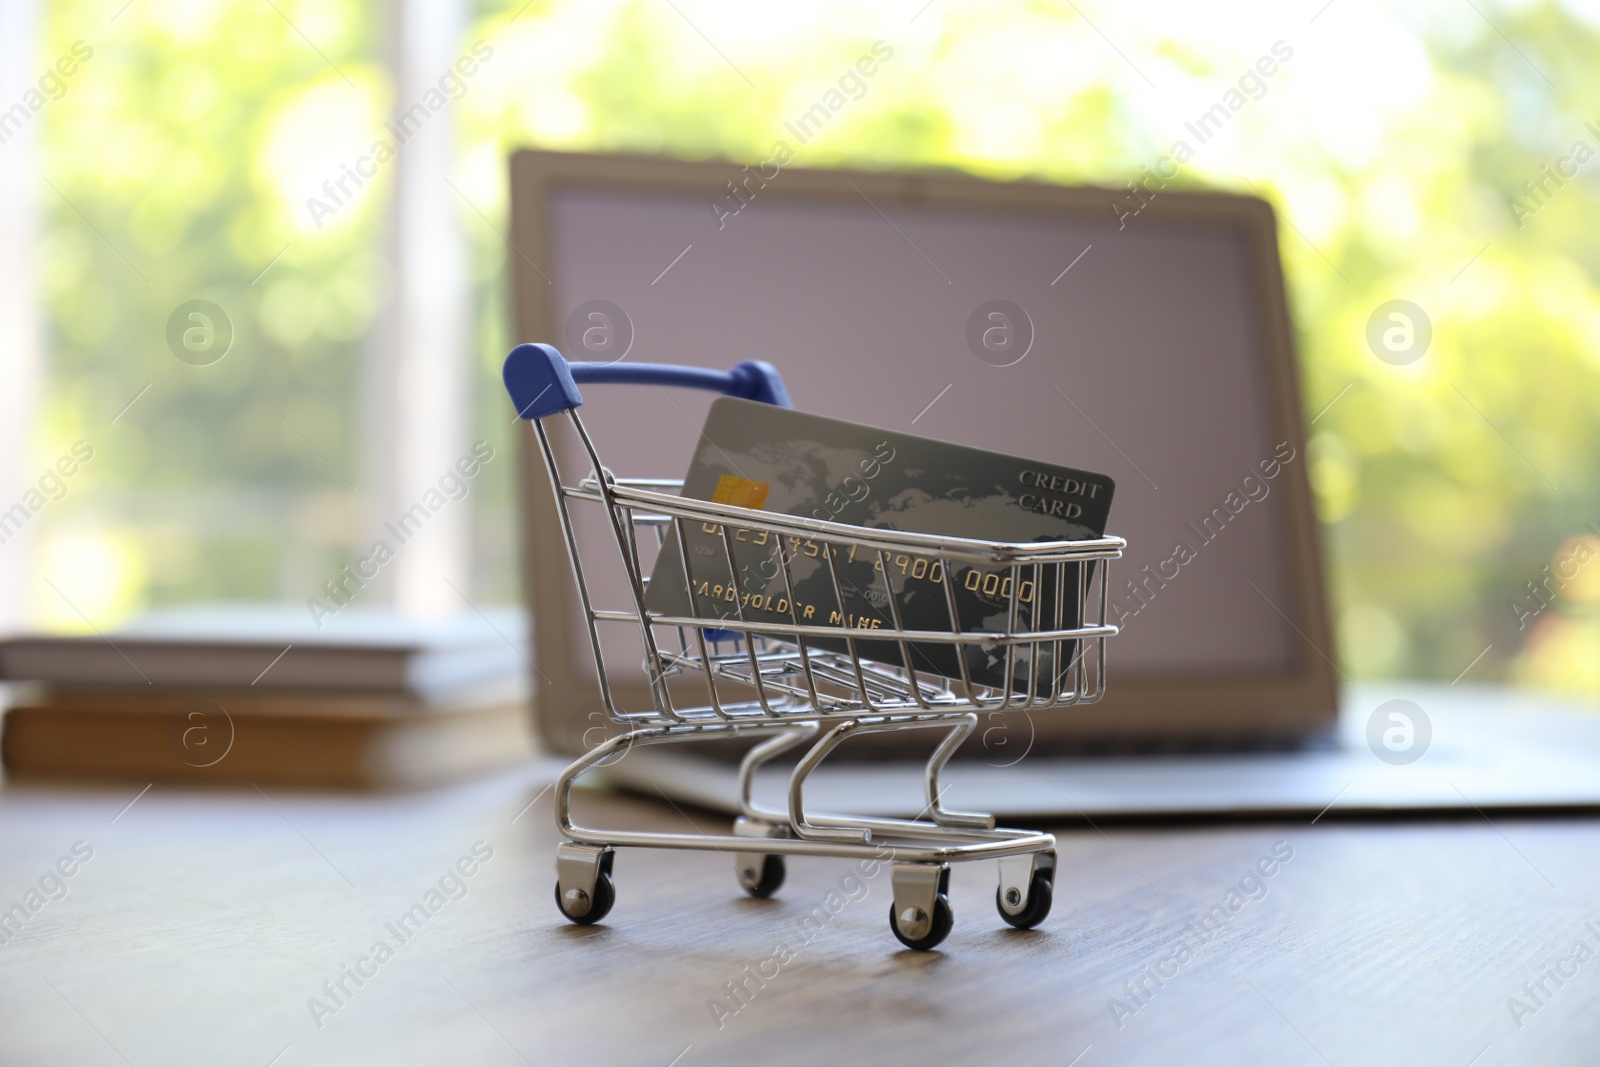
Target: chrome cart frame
[715,678]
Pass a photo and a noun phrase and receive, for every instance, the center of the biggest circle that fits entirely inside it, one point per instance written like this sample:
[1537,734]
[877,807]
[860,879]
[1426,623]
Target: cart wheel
[605,895]
[1039,900]
[772,872]
[938,929]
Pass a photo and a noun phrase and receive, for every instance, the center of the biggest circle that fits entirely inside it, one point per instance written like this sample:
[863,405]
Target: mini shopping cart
[715,678]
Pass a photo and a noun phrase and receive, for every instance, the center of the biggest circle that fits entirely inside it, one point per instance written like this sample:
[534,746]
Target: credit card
[779,460]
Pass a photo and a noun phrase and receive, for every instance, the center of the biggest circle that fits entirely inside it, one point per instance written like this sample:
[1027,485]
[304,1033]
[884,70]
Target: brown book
[322,739]
[331,703]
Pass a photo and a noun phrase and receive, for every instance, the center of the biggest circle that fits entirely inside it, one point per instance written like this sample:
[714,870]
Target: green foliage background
[1393,143]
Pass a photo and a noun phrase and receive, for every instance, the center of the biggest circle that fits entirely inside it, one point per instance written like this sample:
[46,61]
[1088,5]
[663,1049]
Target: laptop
[1142,335]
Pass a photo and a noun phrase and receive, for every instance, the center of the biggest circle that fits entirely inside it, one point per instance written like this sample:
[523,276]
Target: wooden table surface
[208,927]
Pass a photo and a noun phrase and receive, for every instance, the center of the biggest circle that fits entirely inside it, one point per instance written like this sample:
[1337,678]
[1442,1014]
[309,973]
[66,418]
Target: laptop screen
[1124,346]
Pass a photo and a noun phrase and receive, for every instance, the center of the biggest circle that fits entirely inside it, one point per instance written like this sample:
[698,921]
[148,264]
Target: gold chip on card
[740,492]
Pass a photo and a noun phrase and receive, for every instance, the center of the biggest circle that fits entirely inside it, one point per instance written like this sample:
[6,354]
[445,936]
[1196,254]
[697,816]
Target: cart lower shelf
[918,851]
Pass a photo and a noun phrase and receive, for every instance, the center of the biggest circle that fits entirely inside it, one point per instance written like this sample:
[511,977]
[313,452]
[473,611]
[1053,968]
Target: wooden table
[207,927]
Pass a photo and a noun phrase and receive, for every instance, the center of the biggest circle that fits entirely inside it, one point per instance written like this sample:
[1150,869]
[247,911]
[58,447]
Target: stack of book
[261,695]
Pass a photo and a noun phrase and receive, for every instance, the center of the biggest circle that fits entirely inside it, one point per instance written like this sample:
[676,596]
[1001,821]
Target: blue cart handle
[541,381]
